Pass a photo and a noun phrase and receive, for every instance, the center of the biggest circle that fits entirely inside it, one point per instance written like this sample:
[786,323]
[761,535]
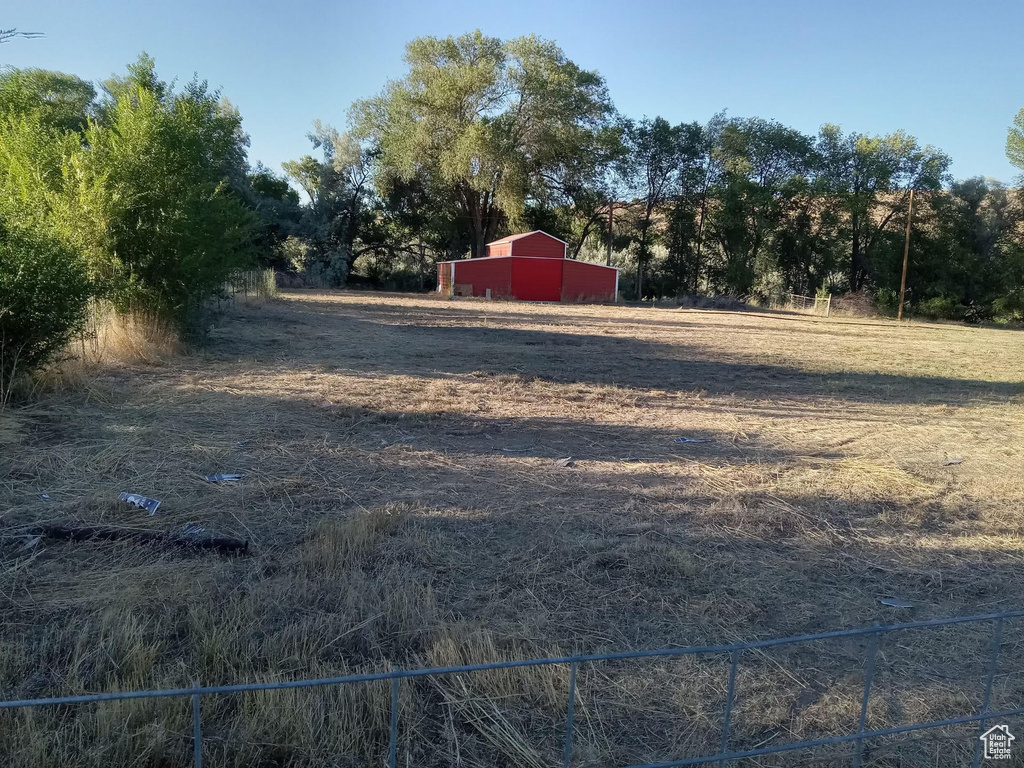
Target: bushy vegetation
[141,196]
[43,294]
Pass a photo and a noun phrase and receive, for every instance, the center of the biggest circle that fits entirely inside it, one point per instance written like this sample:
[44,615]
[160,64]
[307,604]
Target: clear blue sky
[946,71]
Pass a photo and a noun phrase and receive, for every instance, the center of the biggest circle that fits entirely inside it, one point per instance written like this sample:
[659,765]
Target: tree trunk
[423,265]
[469,201]
[855,253]
[494,220]
[700,240]
[641,255]
[479,235]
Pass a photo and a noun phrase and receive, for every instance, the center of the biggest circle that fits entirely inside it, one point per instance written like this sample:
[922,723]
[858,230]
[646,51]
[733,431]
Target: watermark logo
[997,742]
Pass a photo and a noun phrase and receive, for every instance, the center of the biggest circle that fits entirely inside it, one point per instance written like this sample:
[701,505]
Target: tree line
[140,192]
[482,137]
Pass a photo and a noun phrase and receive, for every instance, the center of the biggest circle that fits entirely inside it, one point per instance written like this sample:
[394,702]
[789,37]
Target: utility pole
[611,208]
[906,255]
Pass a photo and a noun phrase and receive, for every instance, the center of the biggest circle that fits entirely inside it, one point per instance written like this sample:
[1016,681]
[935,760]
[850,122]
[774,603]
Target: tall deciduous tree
[659,153]
[164,226]
[491,121]
[337,187]
[578,190]
[973,240]
[874,176]
[765,165]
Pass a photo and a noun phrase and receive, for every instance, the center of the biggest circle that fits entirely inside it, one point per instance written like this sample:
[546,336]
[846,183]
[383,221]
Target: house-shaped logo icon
[997,742]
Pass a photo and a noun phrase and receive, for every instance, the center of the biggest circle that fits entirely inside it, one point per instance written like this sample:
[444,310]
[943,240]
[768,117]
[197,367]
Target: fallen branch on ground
[107,533]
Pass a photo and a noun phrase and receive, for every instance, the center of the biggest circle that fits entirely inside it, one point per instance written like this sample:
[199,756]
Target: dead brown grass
[111,340]
[405,506]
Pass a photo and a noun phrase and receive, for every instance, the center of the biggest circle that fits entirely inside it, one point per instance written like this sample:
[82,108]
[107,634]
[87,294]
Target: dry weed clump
[407,504]
[112,340]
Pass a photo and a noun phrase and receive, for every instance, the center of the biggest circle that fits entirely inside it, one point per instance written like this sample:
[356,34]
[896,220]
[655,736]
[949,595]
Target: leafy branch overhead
[10,34]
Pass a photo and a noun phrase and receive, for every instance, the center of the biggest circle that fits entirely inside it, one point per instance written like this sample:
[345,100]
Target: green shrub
[43,296]
[940,308]
[886,302]
[1009,308]
[976,313]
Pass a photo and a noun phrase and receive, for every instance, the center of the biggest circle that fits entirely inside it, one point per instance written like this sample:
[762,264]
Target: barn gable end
[536,244]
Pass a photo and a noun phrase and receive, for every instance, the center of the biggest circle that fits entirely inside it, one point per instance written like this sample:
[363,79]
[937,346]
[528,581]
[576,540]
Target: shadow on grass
[344,341]
[634,547]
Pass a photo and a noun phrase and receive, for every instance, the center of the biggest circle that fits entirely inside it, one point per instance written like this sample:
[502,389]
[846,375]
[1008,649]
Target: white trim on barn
[545,258]
[521,235]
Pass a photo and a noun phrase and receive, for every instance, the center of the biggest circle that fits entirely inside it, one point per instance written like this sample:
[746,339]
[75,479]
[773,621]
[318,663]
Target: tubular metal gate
[735,651]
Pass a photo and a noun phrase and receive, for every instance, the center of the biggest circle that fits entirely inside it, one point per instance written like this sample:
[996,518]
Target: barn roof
[513,238]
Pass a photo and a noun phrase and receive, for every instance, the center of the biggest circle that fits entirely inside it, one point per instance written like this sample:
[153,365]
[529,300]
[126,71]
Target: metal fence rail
[816,305]
[735,652]
[258,283]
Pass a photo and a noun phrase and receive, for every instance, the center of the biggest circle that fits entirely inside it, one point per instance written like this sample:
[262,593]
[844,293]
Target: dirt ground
[406,505]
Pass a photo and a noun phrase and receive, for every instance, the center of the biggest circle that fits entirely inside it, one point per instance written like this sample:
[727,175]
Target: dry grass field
[405,505]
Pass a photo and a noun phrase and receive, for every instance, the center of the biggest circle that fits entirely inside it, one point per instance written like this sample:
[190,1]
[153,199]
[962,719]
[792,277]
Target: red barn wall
[539,244]
[536,279]
[499,249]
[582,281]
[485,273]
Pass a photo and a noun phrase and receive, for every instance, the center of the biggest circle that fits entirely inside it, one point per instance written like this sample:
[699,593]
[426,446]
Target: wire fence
[876,635]
[815,305]
[256,283]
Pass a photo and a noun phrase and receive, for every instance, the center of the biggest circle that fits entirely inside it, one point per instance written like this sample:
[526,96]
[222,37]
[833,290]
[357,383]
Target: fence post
[393,748]
[869,674]
[570,711]
[729,696]
[997,638]
[197,733]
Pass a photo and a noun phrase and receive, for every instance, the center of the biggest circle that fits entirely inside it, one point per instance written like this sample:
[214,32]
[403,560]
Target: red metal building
[533,266]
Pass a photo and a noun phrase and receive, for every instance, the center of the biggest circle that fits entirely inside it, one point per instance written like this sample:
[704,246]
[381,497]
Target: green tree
[267,184]
[43,296]
[277,207]
[873,177]
[43,278]
[966,247]
[64,102]
[338,212]
[658,155]
[488,120]
[765,165]
[686,260]
[809,248]
[166,226]
[421,223]
[1015,141]
[577,191]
